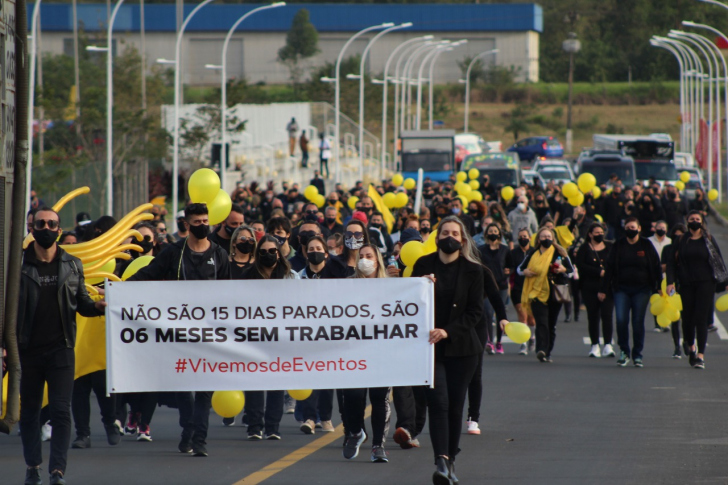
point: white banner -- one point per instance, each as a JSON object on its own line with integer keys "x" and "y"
{"x": 268, "y": 334}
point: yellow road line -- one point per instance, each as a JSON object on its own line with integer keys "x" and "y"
{"x": 296, "y": 456}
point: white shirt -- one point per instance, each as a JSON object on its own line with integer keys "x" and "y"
{"x": 659, "y": 245}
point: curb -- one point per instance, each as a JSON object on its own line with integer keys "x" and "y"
{"x": 722, "y": 221}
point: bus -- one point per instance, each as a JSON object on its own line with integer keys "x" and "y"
{"x": 502, "y": 168}
{"x": 653, "y": 155}
{"x": 432, "y": 151}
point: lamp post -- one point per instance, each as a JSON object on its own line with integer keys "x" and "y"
{"x": 467, "y": 84}
{"x": 337, "y": 91}
{"x": 430, "y": 55}
{"x": 34, "y": 27}
{"x": 684, "y": 143}
{"x": 571, "y": 46}
{"x": 407, "y": 81}
{"x": 432, "y": 73}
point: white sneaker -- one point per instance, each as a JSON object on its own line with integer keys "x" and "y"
{"x": 473, "y": 427}
{"x": 608, "y": 351}
{"x": 46, "y": 431}
{"x": 523, "y": 350}
{"x": 595, "y": 351}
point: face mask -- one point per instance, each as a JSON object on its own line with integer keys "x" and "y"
{"x": 631, "y": 233}
{"x": 694, "y": 225}
{"x": 281, "y": 239}
{"x": 521, "y": 206}
{"x": 646, "y": 202}
{"x": 449, "y": 245}
{"x": 333, "y": 252}
{"x": 45, "y": 237}
{"x": 201, "y": 231}
{"x": 366, "y": 266}
{"x": 332, "y": 201}
{"x": 354, "y": 243}
{"x": 598, "y": 238}
{"x": 181, "y": 226}
{"x": 493, "y": 237}
{"x": 496, "y": 215}
{"x": 456, "y": 210}
{"x": 376, "y": 224}
{"x": 316, "y": 257}
{"x": 311, "y": 217}
{"x": 523, "y": 242}
{"x": 425, "y": 230}
{"x": 268, "y": 260}
{"x": 244, "y": 247}
{"x": 672, "y": 196}
{"x": 305, "y": 237}
{"x": 145, "y": 245}
{"x": 660, "y": 232}
{"x": 330, "y": 220}
{"x": 546, "y": 243}
{"x": 229, "y": 230}
{"x": 258, "y": 235}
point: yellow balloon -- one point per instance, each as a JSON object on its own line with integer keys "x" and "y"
{"x": 507, "y": 193}
{"x": 679, "y": 185}
{"x": 400, "y": 200}
{"x": 352, "y": 202}
{"x": 474, "y": 184}
{"x": 203, "y": 186}
{"x": 389, "y": 199}
{"x": 319, "y": 200}
{"x": 685, "y": 177}
{"x": 596, "y": 192}
{"x": 462, "y": 188}
{"x": 676, "y": 301}
{"x": 411, "y": 252}
{"x": 663, "y": 320}
{"x": 461, "y": 177}
{"x": 300, "y": 394}
{"x": 228, "y": 404}
{"x": 108, "y": 267}
{"x": 672, "y": 314}
{"x": 577, "y": 199}
{"x": 569, "y": 189}
{"x": 598, "y": 217}
{"x": 518, "y": 332}
{"x": 475, "y": 195}
{"x": 219, "y": 208}
{"x": 586, "y": 182}
{"x": 654, "y": 298}
{"x": 135, "y": 266}
{"x": 410, "y": 184}
{"x": 473, "y": 173}
{"x": 397, "y": 180}
{"x": 431, "y": 243}
{"x": 712, "y": 194}
{"x": 310, "y": 192}
{"x": 407, "y": 272}
{"x": 663, "y": 285}
{"x": 722, "y": 303}
{"x": 657, "y": 307}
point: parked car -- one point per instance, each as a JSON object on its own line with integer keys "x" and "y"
{"x": 557, "y": 170}
{"x": 684, "y": 159}
{"x": 538, "y": 146}
{"x": 492, "y": 146}
{"x": 467, "y": 144}
{"x": 532, "y": 177}
{"x": 696, "y": 181}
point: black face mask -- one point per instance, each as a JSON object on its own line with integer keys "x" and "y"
{"x": 598, "y": 238}
{"x": 244, "y": 247}
{"x": 305, "y": 236}
{"x": 449, "y": 245}
{"x": 493, "y": 237}
{"x": 375, "y": 224}
{"x": 268, "y": 260}
{"x": 181, "y": 227}
{"x": 281, "y": 239}
{"x": 523, "y": 242}
{"x": 201, "y": 231}
{"x": 145, "y": 245}
{"x": 694, "y": 225}
{"x": 45, "y": 237}
{"x": 229, "y": 230}
{"x": 332, "y": 201}
{"x": 660, "y": 232}
{"x": 330, "y": 220}
{"x": 311, "y": 217}
{"x": 425, "y": 230}
{"x": 316, "y": 257}
{"x": 672, "y": 195}
{"x": 631, "y": 233}
{"x": 546, "y": 243}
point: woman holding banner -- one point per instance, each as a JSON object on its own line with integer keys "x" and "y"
{"x": 265, "y": 408}
{"x": 369, "y": 265}
{"x": 457, "y": 274}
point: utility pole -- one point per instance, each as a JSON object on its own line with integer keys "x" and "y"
{"x": 571, "y": 46}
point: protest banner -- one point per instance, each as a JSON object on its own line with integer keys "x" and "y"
{"x": 268, "y": 334}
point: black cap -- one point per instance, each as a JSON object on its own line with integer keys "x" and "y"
{"x": 408, "y": 235}
{"x": 83, "y": 216}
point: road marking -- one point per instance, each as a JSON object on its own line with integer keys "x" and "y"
{"x": 722, "y": 333}
{"x": 296, "y": 456}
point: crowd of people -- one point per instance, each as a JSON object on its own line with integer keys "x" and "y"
{"x": 534, "y": 251}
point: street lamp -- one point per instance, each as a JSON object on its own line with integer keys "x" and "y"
{"x": 434, "y": 52}
{"x": 432, "y": 73}
{"x": 467, "y": 84}
{"x": 571, "y": 46}
{"x": 407, "y": 80}
{"x": 31, "y": 101}
{"x": 684, "y": 142}
{"x": 337, "y": 90}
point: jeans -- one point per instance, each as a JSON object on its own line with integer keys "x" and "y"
{"x": 697, "y": 300}
{"x": 489, "y": 313}
{"x": 81, "y": 407}
{"x": 57, "y": 369}
{"x": 264, "y": 410}
{"x": 319, "y": 405}
{"x": 410, "y": 403}
{"x": 325, "y": 168}
{"x": 631, "y": 299}
{"x": 194, "y": 414}
{"x": 355, "y": 401}
{"x": 546, "y": 316}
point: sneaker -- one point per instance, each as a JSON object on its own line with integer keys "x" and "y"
{"x": 327, "y": 427}
{"x": 541, "y": 356}
{"x": 308, "y": 427}
{"x": 531, "y": 344}
{"x": 638, "y": 362}
{"x": 567, "y": 319}
{"x": 499, "y": 349}
{"x": 473, "y": 427}
{"x": 81, "y": 442}
{"x": 403, "y": 438}
{"x": 699, "y": 363}
{"x": 523, "y": 350}
{"x": 576, "y": 318}
{"x": 623, "y": 360}
{"x": 490, "y": 348}
{"x": 414, "y": 443}
{"x": 199, "y": 449}
{"x": 289, "y": 405}
{"x": 607, "y": 351}
{"x": 32, "y": 476}
{"x": 57, "y": 478}
{"x": 185, "y": 444}
{"x": 352, "y": 442}
{"x": 255, "y": 435}
{"x": 113, "y": 437}
{"x": 228, "y": 421}
{"x": 379, "y": 455}
{"x": 46, "y": 431}
{"x": 131, "y": 425}
{"x": 657, "y": 330}
{"x": 319, "y": 425}
{"x": 144, "y": 434}
{"x": 273, "y": 436}
{"x": 594, "y": 352}
{"x": 712, "y": 328}
{"x": 549, "y": 360}
{"x": 677, "y": 354}
{"x": 693, "y": 358}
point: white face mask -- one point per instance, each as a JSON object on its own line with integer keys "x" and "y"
{"x": 366, "y": 266}
{"x": 521, "y": 206}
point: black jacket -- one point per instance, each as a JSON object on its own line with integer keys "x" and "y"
{"x": 497, "y": 263}
{"x": 467, "y": 311}
{"x": 590, "y": 265}
{"x": 168, "y": 267}
{"x": 677, "y": 269}
{"x": 611, "y": 273}
{"x": 72, "y": 297}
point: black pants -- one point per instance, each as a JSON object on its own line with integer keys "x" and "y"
{"x": 697, "y": 299}
{"x": 81, "y": 407}
{"x": 319, "y": 404}
{"x": 475, "y": 388}
{"x": 575, "y": 303}
{"x": 194, "y": 414}
{"x": 546, "y": 316}
{"x": 57, "y": 369}
{"x": 325, "y": 168}
{"x": 599, "y": 310}
{"x": 264, "y": 410}
{"x": 355, "y": 401}
{"x": 446, "y": 402}
{"x": 410, "y": 403}
{"x": 143, "y": 404}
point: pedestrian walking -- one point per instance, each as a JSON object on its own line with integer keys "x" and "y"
{"x": 324, "y": 154}
{"x": 292, "y": 129}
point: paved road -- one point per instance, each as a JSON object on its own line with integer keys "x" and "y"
{"x": 576, "y": 421}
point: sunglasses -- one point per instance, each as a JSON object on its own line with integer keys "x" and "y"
{"x": 247, "y": 239}
{"x": 269, "y": 251}
{"x": 40, "y": 224}
{"x": 312, "y": 212}
{"x": 357, "y": 234}
{"x": 162, "y": 229}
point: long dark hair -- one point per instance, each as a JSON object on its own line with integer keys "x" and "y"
{"x": 282, "y": 268}
{"x": 364, "y": 229}
{"x": 704, "y": 223}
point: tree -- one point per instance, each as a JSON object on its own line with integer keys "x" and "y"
{"x": 202, "y": 127}
{"x": 476, "y": 72}
{"x": 301, "y": 43}
{"x": 519, "y": 118}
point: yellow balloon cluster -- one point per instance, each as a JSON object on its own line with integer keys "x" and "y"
{"x": 204, "y": 188}
{"x": 473, "y": 173}
{"x": 666, "y": 308}
{"x": 311, "y": 193}
{"x": 414, "y": 250}
{"x": 680, "y": 185}
{"x": 574, "y": 192}
{"x": 395, "y": 201}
